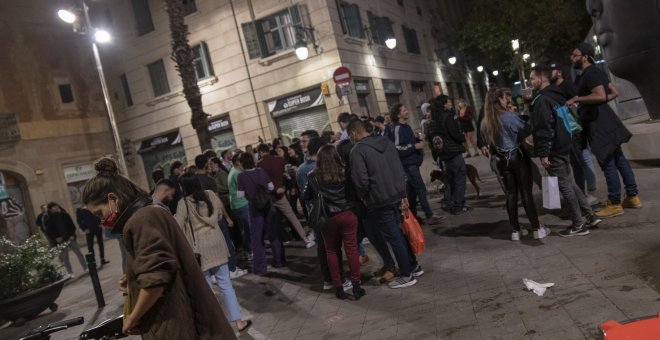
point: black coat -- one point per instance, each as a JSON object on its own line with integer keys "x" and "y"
{"x": 445, "y": 124}
{"x": 334, "y": 194}
{"x": 60, "y": 225}
{"x": 88, "y": 221}
{"x": 550, "y": 135}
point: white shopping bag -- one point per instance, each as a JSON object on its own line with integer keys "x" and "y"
{"x": 551, "y": 199}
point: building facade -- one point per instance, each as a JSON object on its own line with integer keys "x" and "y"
{"x": 252, "y": 82}
{"x": 53, "y": 122}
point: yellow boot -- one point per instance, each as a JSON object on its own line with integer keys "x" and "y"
{"x": 610, "y": 210}
{"x": 632, "y": 202}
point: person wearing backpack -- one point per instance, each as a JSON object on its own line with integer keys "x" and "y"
{"x": 254, "y": 184}
{"x": 552, "y": 143}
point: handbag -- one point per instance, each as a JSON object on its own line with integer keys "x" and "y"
{"x": 198, "y": 256}
{"x": 317, "y": 215}
{"x": 551, "y": 199}
{"x": 413, "y": 233}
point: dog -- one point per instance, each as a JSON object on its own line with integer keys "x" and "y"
{"x": 470, "y": 171}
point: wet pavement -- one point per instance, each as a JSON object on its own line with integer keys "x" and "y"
{"x": 472, "y": 288}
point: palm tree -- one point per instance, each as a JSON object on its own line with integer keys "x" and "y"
{"x": 183, "y": 57}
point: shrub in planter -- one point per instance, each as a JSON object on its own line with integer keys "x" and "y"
{"x": 26, "y": 266}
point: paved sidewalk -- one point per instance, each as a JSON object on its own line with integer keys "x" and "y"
{"x": 472, "y": 288}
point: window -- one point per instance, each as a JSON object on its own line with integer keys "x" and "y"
{"x": 351, "y": 22}
{"x": 143, "y": 22}
{"x": 66, "y": 93}
{"x": 202, "y": 61}
{"x": 189, "y": 7}
{"x": 267, "y": 36}
{"x": 158, "y": 78}
{"x": 381, "y": 28}
{"x": 412, "y": 44}
{"x": 126, "y": 89}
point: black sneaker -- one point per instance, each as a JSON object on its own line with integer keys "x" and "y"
{"x": 460, "y": 210}
{"x": 579, "y": 230}
{"x": 418, "y": 271}
{"x": 593, "y": 221}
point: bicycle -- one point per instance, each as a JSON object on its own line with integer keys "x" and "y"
{"x": 107, "y": 330}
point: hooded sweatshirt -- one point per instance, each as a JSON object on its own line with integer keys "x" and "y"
{"x": 550, "y": 135}
{"x": 377, "y": 172}
{"x": 404, "y": 140}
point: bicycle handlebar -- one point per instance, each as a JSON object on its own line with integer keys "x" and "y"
{"x": 42, "y": 331}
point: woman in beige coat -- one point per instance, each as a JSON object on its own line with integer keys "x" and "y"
{"x": 198, "y": 214}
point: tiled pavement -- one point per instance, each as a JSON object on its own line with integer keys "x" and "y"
{"x": 472, "y": 288}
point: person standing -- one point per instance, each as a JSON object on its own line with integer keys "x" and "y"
{"x": 60, "y": 227}
{"x": 239, "y": 205}
{"x": 505, "y": 132}
{"x": 605, "y": 132}
{"x": 466, "y": 117}
{"x": 198, "y": 215}
{"x": 378, "y": 176}
{"x": 41, "y": 223}
{"x": 166, "y": 293}
{"x": 552, "y": 143}
{"x": 91, "y": 225}
{"x": 411, "y": 154}
{"x": 328, "y": 183}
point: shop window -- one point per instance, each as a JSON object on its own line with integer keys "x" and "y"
{"x": 66, "y": 93}
{"x": 412, "y": 44}
{"x": 351, "y": 22}
{"x": 277, "y": 32}
{"x": 158, "y": 77}
{"x": 189, "y": 7}
{"x": 381, "y": 28}
{"x": 202, "y": 61}
{"x": 126, "y": 90}
{"x": 143, "y": 21}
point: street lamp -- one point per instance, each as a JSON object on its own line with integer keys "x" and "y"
{"x": 525, "y": 56}
{"x": 390, "y": 43}
{"x": 480, "y": 68}
{"x": 100, "y": 36}
{"x": 302, "y": 52}
{"x": 452, "y": 60}
{"x": 533, "y": 64}
{"x": 495, "y": 73}
{"x": 515, "y": 45}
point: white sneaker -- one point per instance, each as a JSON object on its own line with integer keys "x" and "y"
{"x": 541, "y": 233}
{"x": 327, "y": 285}
{"x": 365, "y": 241}
{"x": 237, "y": 273}
{"x": 310, "y": 244}
{"x": 311, "y": 236}
{"x": 515, "y": 236}
{"x": 347, "y": 284}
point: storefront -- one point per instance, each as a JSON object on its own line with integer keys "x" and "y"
{"x": 160, "y": 152}
{"x": 299, "y": 112}
{"x": 393, "y": 91}
{"x": 13, "y": 213}
{"x": 222, "y": 136}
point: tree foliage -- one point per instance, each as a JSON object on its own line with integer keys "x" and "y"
{"x": 547, "y": 30}
{"x": 182, "y": 55}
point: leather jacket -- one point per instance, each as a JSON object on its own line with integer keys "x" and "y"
{"x": 334, "y": 195}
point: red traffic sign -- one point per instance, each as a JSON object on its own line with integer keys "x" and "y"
{"x": 342, "y": 75}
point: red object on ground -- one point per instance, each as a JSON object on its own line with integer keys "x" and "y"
{"x": 647, "y": 328}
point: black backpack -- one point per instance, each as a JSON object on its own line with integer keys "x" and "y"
{"x": 261, "y": 199}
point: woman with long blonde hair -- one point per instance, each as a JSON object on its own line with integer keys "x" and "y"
{"x": 505, "y": 132}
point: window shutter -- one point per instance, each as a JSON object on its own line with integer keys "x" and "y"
{"x": 143, "y": 22}
{"x": 342, "y": 16}
{"x": 373, "y": 28}
{"x": 207, "y": 59}
{"x": 384, "y": 29}
{"x": 353, "y": 20}
{"x": 251, "y": 39}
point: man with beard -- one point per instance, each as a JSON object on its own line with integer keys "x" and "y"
{"x": 604, "y": 131}
{"x": 164, "y": 193}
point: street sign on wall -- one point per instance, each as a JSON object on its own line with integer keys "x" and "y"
{"x": 342, "y": 75}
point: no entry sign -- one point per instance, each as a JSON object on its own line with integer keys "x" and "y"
{"x": 342, "y": 75}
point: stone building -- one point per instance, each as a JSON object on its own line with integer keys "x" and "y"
{"x": 253, "y": 83}
{"x": 53, "y": 121}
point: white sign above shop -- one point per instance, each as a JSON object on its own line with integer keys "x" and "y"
{"x": 78, "y": 173}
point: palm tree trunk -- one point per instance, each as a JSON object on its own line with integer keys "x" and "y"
{"x": 183, "y": 57}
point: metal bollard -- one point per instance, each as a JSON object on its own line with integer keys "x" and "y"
{"x": 94, "y": 275}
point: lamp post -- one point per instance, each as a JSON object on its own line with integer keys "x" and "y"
{"x": 515, "y": 45}
{"x": 100, "y": 36}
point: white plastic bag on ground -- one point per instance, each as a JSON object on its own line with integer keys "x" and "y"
{"x": 551, "y": 199}
{"x": 538, "y": 288}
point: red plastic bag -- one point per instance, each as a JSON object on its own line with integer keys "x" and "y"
{"x": 413, "y": 233}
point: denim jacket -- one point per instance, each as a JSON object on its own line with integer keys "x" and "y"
{"x": 514, "y": 130}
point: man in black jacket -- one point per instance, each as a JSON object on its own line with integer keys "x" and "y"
{"x": 60, "y": 227}
{"x": 380, "y": 183}
{"x": 91, "y": 225}
{"x": 445, "y": 124}
{"x": 552, "y": 143}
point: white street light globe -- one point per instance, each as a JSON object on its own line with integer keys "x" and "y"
{"x": 533, "y": 64}
{"x": 452, "y": 60}
{"x": 496, "y": 72}
{"x": 515, "y": 44}
{"x": 302, "y": 52}
{"x": 390, "y": 43}
{"x": 525, "y": 56}
{"x": 66, "y": 16}
{"x": 102, "y": 36}
{"x": 480, "y": 68}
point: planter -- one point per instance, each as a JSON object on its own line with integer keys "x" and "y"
{"x": 32, "y": 303}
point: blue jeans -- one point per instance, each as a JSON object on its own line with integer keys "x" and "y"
{"x": 612, "y": 167}
{"x": 223, "y": 281}
{"x": 455, "y": 186}
{"x": 415, "y": 189}
{"x": 383, "y": 227}
{"x": 588, "y": 169}
{"x": 243, "y": 221}
{"x": 265, "y": 227}
{"x": 224, "y": 228}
